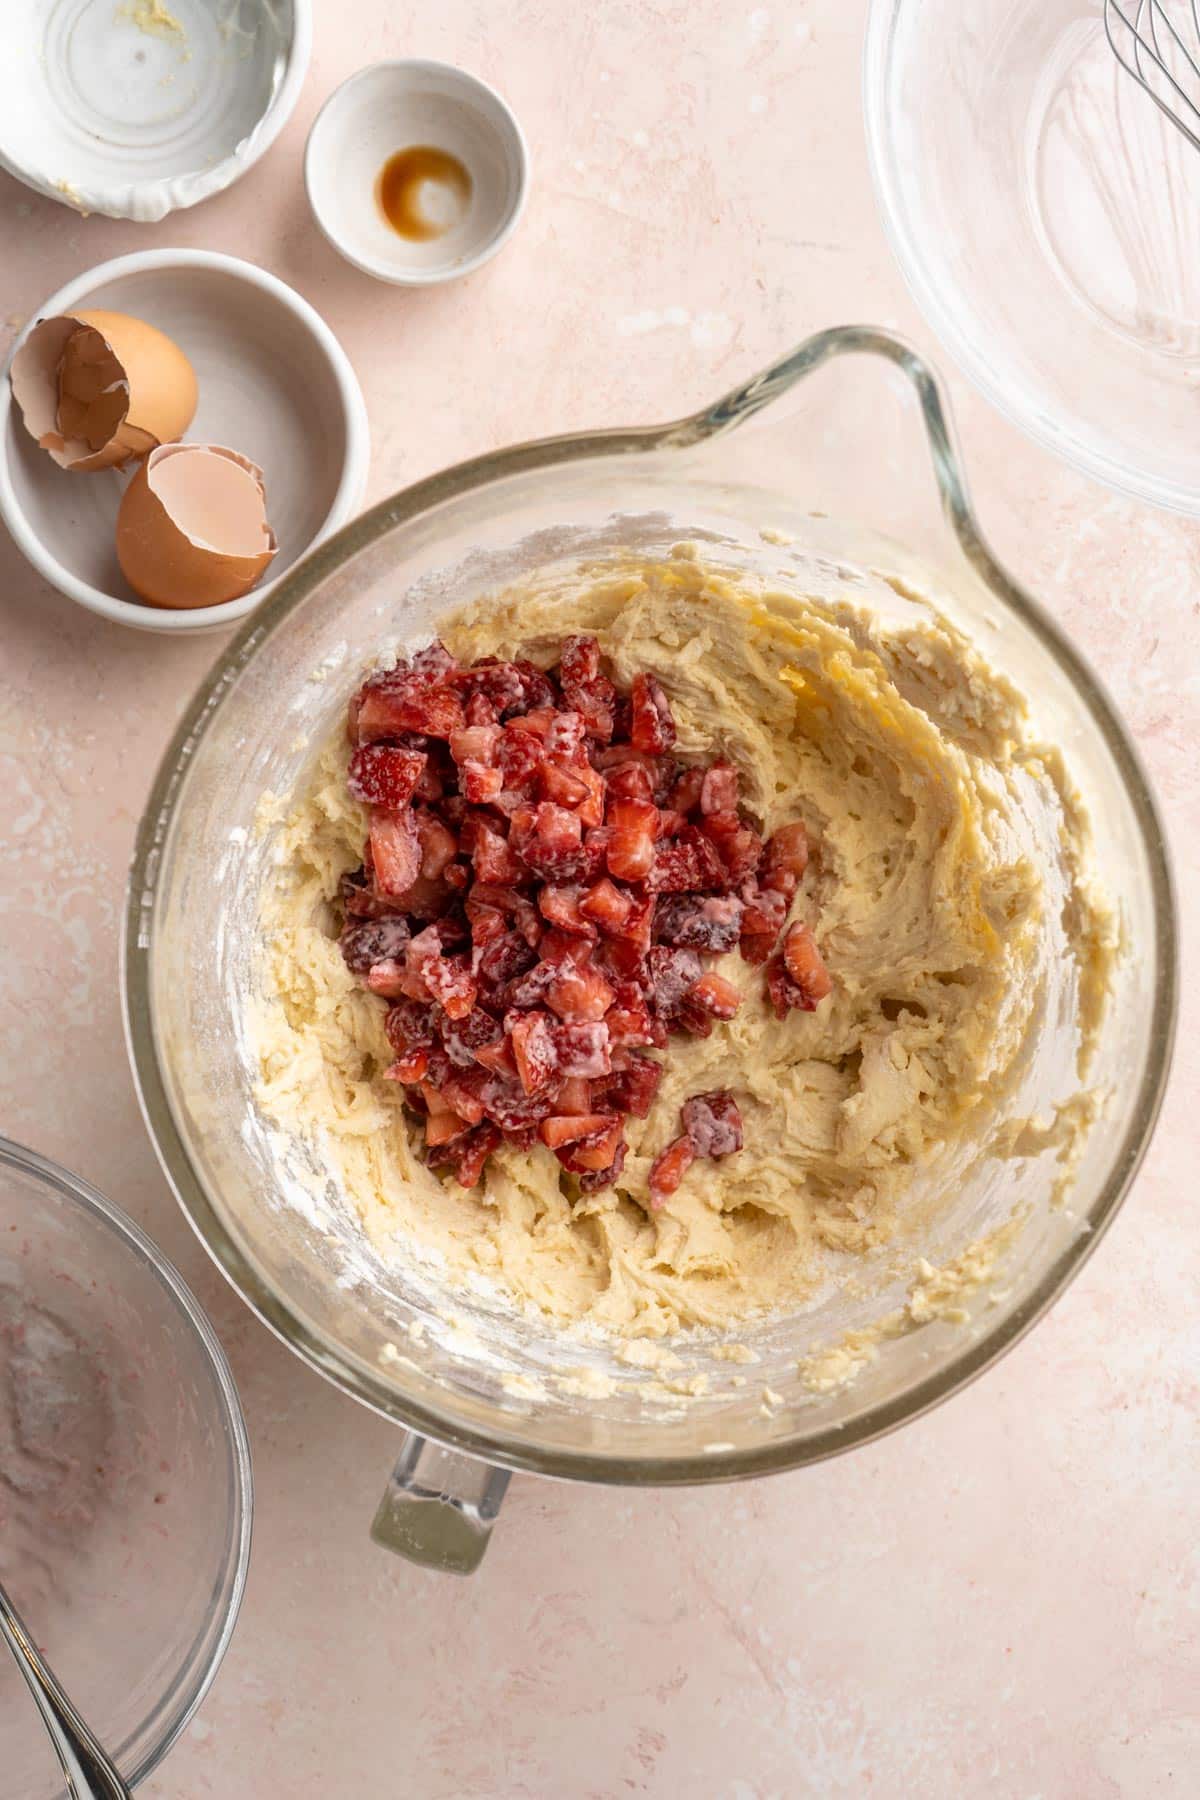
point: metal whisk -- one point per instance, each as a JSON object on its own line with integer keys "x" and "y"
{"x": 1158, "y": 43}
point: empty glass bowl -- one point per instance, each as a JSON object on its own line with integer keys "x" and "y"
{"x": 124, "y": 1476}
{"x": 1043, "y": 213}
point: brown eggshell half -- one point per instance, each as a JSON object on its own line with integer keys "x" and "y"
{"x": 192, "y": 526}
{"x": 159, "y": 383}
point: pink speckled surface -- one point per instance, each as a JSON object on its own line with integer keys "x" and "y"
{"x": 1004, "y": 1599}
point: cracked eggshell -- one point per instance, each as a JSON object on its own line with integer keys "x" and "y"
{"x": 98, "y": 389}
{"x": 192, "y": 527}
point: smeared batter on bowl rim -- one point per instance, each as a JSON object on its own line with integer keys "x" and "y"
{"x": 950, "y": 879}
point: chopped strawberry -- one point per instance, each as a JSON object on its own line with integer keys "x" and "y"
{"x": 685, "y": 795}
{"x": 574, "y": 1095}
{"x": 434, "y": 662}
{"x": 805, "y": 966}
{"x": 475, "y": 743}
{"x": 630, "y": 781}
{"x": 634, "y": 826}
{"x": 579, "y": 993}
{"x": 578, "y": 661}
{"x": 716, "y": 995}
{"x": 633, "y": 1088}
{"x": 607, "y": 905}
{"x": 494, "y": 860}
{"x": 540, "y": 691}
{"x": 736, "y": 844}
{"x": 672, "y": 974}
{"x": 533, "y": 1046}
{"x": 410, "y": 1068}
{"x": 719, "y": 789}
{"x": 497, "y": 1058}
{"x": 439, "y": 845}
{"x": 668, "y": 1170}
{"x": 462, "y": 1091}
{"x": 561, "y": 906}
{"x": 480, "y": 711}
{"x": 374, "y": 941}
{"x": 465, "y": 1037}
{"x": 653, "y": 726}
{"x": 450, "y": 981}
{"x": 552, "y": 847}
{"x": 713, "y": 1123}
{"x": 472, "y": 1153}
{"x": 443, "y": 1125}
{"x": 628, "y": 1018}
{"x": 395, "y": 852}
{"x": 582, "y": 1128}
{"x": 593, "y": 1153}
{"x": 519, "y": 755}
{"x": 390, "y": 705}
{"x": 384, "y": 775}
{"x": 785, "y": 859}
{"x": 583, "y": 1050}
{"x": 591, "y": 1180}
{"x": 595, "y": 851}
{"x": 481, "y": 785}
{"x": 387, "y": 978}
{"x": 564, "y": 737}
{"x": 711, "y": 922}
{"x": 410, "y": 1026}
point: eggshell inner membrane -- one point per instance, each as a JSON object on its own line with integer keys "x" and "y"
{"x": 93, "y": 394}
{"x": 215, "y": 501}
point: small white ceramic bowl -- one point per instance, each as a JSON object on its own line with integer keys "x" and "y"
{"x": 274, "y": 383}
{"x": 395, "y": 106}
{"x": 135, "y": 107}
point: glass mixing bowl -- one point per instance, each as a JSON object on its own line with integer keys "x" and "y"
{"x": 836, "y": 461}
{"x": 125, "y": 1492}
{"x": 1043, "y": 214}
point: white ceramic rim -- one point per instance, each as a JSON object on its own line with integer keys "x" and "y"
{"x": 205, "y": 183}
{"x": 345, "y": 501}
{"x": 433, "y": 276}
{"x": 1012, "y": 397}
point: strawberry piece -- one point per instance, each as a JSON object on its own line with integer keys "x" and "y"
{"x": 374, "y": 941}
{"x": 503, "y": 961}
{"x": 480, "y": 711}
{"x": 717, "y": 996}
{"x": 712, "y": 923}
{"x": 765, "y": 910}
{"x": 462, "y": 1091}
{"x": 574, "y": 1095}
{"x": 583, "y": 1050}
{"x": 442, "y": 1123}
{"x": 578, "y": 661}
{"x": 531, "y": 987}
{"x": 672, "y": 973}
{"x": 395, "y": 853}
{"x": 465, "y": 1037}
{"x": 481, "y": 785}
{"x": 519, "y": 755}
{"x": 500, "y": 683}
{"x": 467, "y": 1156}
{"x": 633, "y": 1088}
{"x": 738, "y": 847}
{"x": 564, "y": 737}
{"x": 450, "y": 981}
{"x": 634, "y": 826}
{"x": 593, "y": 1179}
{"x": 668, "y": 1170}
{"x": 493, "y": 858}
{"x": 653, "y": 726}
{"x": 713, "y": 1123}
{"x": 756, "y": 947}
{"x": 387, "y": 978}
{"x": 628, "y": 1018}
{"x": 410, "y": 1026}
{"x": 719, "y": 789}
{"x": 498, "y": 1058}
{"x": 384, "y": 775}
{"x": 595, "y": 851}
{"x": 475, "y": 743}
{"x": 685, "y": 795}
{"x": 593, "y": 1154}
{"x": 516, "y": 1113}
{"x": 607, "y": 905}
{"x": 533, "y": 1048}
{"x": 785, "y": 859}
{"x": 411, "y": 1068}
{"x": 392, "y": 704}
{"x": 585, "y": 1129}
{"x": 560, "y": 905}
{"x": 552, "y": 847}
{"x": 565, "y": 787}
{"x": 630, "y": 781}
{"x": 579, "y": 993}
{"x": 439, "y": 846}
{"x": 434, "y": 662}
{"x": 538, "y": 722}
{"x": 487, "y": 922}
{"x": 805, "y": 967}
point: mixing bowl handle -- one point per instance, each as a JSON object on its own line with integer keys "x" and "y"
{"x": 439, "y": 1507}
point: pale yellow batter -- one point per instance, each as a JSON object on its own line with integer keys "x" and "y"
{"x": 949, "y": 874}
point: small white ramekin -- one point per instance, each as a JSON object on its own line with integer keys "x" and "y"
{"x": 393, "y": 106}
{"x": 274, "y": 383}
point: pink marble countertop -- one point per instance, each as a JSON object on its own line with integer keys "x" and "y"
{"x": 1002, "y": 1599}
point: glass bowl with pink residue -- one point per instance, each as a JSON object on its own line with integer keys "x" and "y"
{"x": 125, "y": 1489}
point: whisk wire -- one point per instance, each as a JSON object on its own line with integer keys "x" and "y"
{"x": 1141, "y": 41}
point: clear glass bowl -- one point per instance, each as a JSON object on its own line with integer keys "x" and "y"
{"x": 1043, "y": 213}
{"x": 845, "y": 448}
{"x": 125, "y": 1492}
